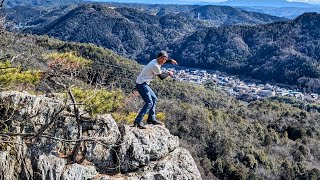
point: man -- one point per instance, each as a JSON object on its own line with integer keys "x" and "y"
{"x": 151, "y": 70}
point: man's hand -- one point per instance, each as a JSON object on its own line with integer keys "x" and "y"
{"x": 170, "y": 73}
{"x": 174, "y": 62}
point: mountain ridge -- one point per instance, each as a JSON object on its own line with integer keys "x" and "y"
{"x": 271, "y": 3}
{"x": 135, "y": 33}
{"x": 267, "y": 3}
{"x": 236, "y": 16}
{"x": 39, "y": 3}
{"x": 241, "y": 48}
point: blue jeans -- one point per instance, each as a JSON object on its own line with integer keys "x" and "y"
{"x": 150, "y": 100}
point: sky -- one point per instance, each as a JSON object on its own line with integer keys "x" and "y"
{"x": 306, "y": 1}
{"x": 159, "y": 1}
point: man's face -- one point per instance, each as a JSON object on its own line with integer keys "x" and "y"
{"x": 162, "y": 60}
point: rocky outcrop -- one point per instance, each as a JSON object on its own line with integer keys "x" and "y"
{"x": 77, "y": 171}
{"x": 178, "y": 164}
{"x": 6, "y": 165}
{"x": 41, "y": 132}
{"x": 50, "y": 166}
{"x": 103, "y": 153}
{"x": 139, "y": 147}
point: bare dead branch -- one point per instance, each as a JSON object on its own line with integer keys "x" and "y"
{"x": 10, "y": 142}
{"x": 56, "y": 82}
{"x": 32, "y": 135}
{"x": 77, "y": 114}
{"x": 16, "y": 57}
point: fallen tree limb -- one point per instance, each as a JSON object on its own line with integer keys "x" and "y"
{"x": 32, "y": 135}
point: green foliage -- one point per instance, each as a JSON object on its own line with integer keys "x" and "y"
{"x": 14, "y": 75}
{"x": 126, "y": 118}
{"x": 66, "y": 61}
{"x": 250, "y": 161}
{"x": 98, "y": 101}
{"x": 313, "y": 174}
{"x": 235, "y": 171}
{"x": 288, "y": 48}
{"x": 262, "y": 158}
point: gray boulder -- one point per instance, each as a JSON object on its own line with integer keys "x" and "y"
{"x": 103, "y": 153}
{"x": 51, "y": 167}
{"x": 140, "y": 146}
{"x": 32, "y": 110}
{"x": 77, "y": 171}
{"x": 178, "y": 164}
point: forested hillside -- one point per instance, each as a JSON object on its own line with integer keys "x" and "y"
{"x": 228, "y": 139}
{"x": 124, "y": 30}
{"x": 130, "y": 31}
{"x": 264, "y": 52}
{"x": 227, "y": 15}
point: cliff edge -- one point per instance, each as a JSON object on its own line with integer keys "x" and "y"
{"x": 38, "y": 133}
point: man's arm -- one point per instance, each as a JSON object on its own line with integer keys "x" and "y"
{"x": 172, "y": 61}
{"x": 162, "y": 76}
{"x": 165, "y": 75}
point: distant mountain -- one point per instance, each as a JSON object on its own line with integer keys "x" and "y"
{"x": 21, "y": 17}
{"x": 226, "y": 15}
{"x": 43, "y": 3}
{"x": 127, "y": 31}
{"x": 278, "y": 8}
{"x": 135, "y": 33}
{"x": 140, "y": 1}
{"x": 290, "y": 49}
{"x": 287, "y": 12}
{"x": 266, "y": 3}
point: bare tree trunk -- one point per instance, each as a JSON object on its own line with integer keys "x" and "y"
{"x": 1, "y": 3}
{"x": 2, "y": 18}
{"x": 1, "y": 23}
{"x": 79, "y": 135}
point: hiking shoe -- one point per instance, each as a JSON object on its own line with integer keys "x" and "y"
{"x": 155, "y": 122}
{"x": 139, "y": 125}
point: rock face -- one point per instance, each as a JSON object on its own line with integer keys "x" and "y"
{"x": 50, "y": 166}
{"x": 6, "y": 165}
{"x": 77, "y": 171}
{"x": 176, "y": 165}
{"x": 139, "y": 147}
{"x": 103, "y": 153}
{"x": 43, "y": 133}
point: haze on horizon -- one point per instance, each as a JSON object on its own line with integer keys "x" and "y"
{"x": 197, "y": 1}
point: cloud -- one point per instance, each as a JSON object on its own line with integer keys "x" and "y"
{"x": 307, "y": 1}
